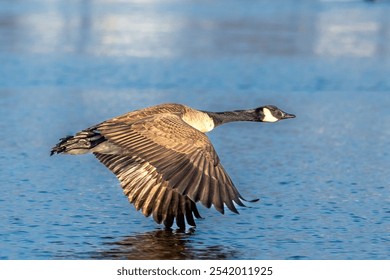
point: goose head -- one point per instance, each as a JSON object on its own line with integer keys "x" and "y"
{"x": 271, "y": 113}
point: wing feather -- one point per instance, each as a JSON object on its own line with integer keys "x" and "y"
{"x": 165, "y": 166}
{"x": 149, "y": 192}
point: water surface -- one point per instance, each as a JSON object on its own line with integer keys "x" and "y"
{"x": 322, "y": 178}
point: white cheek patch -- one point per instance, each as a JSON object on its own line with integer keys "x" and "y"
{"x": 268, "y": 117}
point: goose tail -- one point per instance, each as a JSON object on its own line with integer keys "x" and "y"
{"x": 80, "y": 143}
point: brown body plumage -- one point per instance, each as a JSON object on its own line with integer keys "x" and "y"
{"x": 164, "y": 161}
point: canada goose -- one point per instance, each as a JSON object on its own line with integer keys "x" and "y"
{"x": 164, "y": 161}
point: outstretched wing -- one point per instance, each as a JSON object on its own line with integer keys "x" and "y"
{"x": 165, "y": 166}
{"x": 146, "y": 189}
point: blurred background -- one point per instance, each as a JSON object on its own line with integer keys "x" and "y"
{"x": 322, "y": 178}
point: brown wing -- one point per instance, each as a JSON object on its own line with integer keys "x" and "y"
{"x": 146, "y": 189}
{"x": 175, "y": 158}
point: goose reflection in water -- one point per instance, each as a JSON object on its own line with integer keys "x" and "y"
{"x": 163, "y": 245}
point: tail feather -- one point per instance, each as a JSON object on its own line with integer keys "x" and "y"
{"x": 80, "y": 143}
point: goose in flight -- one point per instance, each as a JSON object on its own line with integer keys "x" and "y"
{"x": 163, "y": 159}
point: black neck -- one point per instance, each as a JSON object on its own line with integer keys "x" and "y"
{"x": 234, "y": 116}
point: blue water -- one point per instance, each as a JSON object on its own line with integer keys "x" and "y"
{"x": 323, "y": 178}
